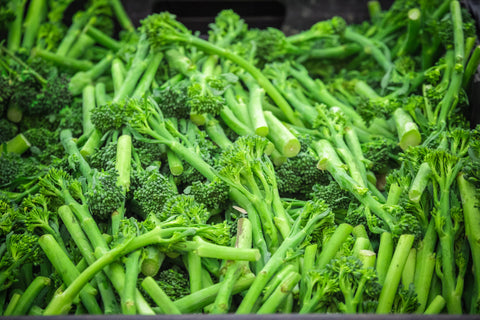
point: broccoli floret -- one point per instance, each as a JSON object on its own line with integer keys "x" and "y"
{"x": 22, "y": 248}
{"x": 335, "y": 197}
{"x": 186, "y": 206}
{"x": 298, "y": 175}
{"x": 172, "y": 100}
{"x": 355, "y": 283}
{"x": 228, "y": 27}
{"x": 153, "y": 191}
{"x": 382, "y": 154}
{"x": 8, "y": 130}
{"x": 13, "y": 167}
{"x": 212, "y": 194}
{"x": 110, "y": 116}
{"x": 104, "y": 157}
{"x": 104, "y": 196}
{"x": 174, "y": 282}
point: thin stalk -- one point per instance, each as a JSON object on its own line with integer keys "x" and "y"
{"x": 103, "y": 39}
{"x": 62, "y": 61}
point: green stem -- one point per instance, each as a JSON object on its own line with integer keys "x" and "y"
{"x": 283, "y": 139}
{"x": 122, "y": 16}
{"x": 276, "y": 260}
{"x": 88, "y": 104}
{"x": 334, "y": 244}
{"x": 146, "y": 80}
{"x": 280, "y": 294}
{"x": 118, "y": 74}
{"x": 471, "y": 213}
{"x": 425, "y": 266}
{"x": 18, "y": 144}
{"x": 28, "y": 297}
{"x": 15, "y": 28}
{"x": 159, "y": 296}
{"x": 408, "y": 132}
{"x": 138, "y": 66}
{"x": 36, "y": 13}
{"x": 83, "y": 78}
{"x": 420, "y": 182}
{"x": 103, "y": 39}
{"x": 132, "y": 269}
{"x": 384, "y": 256}
{"x": 62, "y": 61}
{"x": 394, "y": 273}
{"x": 109, "y": 298}
{"x": 78, "y": 48}
{"x": 450, "y": 100}
{"x": 255, "y": 110}
{"x": 436, "y": 306}
{"x": 68, "y": 271}
{"x": 471, "y": 67}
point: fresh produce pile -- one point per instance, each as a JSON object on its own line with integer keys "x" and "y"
{"x": 153, "y": 170}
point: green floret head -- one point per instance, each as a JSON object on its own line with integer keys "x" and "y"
{"x": 111, "y": 116}
{"x": 104, "y": 157}
{"x": 174, "y": 282}
{"x": 161, "y": 27}
{"x": 13, "y": 166}
{"x": 335, "y": 197}
{"x": 322, "y": 286}
{"x": 381, "y": 154}
{"x": 182, "y": 204}
{"x": 8, "y": 130}
{"x": 150, "y": 154}
{"x": 7, "y": 218}
{"x": 335, "y": 25}
{"x": 227, "y": 27}
{"x": 172, "y": 100}
{"x": 201, "y": 100}
{"x": 153, "y": 191}
{"x": 212, "y": 194}
{"x": 270, "y": 44}
{"x": 381, "y": 107}
{"x": 22, "y": 248}
{"x": 53, "y": 97}
{"x": 297, "y": 176}
{"x": 354, "y": 279}
{"x": 406, "y": 223}
{"x": 406, "y": 300}
{"x": 104, "y": 196}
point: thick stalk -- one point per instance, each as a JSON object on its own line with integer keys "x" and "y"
{"x": 68, "y": 271}
{"x": 471, "y": 213}
{"x": 394, "y": 273}
{"x": 132, "y": 269}
{"x": 36, "y": 13}
{"x": 28, "y": 297}
{"x": 109, "y": 299}
{"x": 159, "y": 296}
{"x": 425, "y": 266}
{"x": 283, "y": 139}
